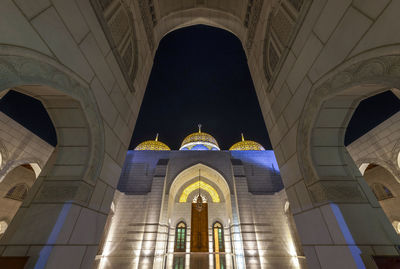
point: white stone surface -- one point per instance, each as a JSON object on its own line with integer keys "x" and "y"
{"x": 349, "y": 33}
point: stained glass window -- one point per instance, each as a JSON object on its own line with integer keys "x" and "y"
{"x": 180, "y": 237}
{"x": 219, "y": 245}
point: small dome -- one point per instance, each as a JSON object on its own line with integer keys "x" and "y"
{"x": 246, "y": 145}
{"x": 199, "y": 141}
{"x": 152, "y": 145}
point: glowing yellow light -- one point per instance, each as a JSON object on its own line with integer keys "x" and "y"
{"x": 152, "y": 145}
{"x": 246, "y": 145}
{"x": 192, "y": 187}
{"x": 199, "y": 138}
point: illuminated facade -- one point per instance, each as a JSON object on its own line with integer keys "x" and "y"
{"x": 243, "y": 220}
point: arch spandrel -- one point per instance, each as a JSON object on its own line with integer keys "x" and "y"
{"x": 195, "y": 16}
{"x": 220, "y": 163}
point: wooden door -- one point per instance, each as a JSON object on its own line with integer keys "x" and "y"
{"x": 199, "y": 229}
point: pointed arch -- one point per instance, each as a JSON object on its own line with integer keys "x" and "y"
{"x": 219, "y": 182}
{"x": 180, "y": 237}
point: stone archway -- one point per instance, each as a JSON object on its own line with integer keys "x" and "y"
{"x": 192, "y": 172}
{"x": 63, "y": 194}
{"x": 14, "y": 188}
{"x": 332, "y": 186}
{"x": 13, "y": 164}
{"x": 388, "y": 192}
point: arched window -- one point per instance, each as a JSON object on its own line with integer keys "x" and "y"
{"x": 180, "y": 237}
{"x": 180, "y": 246}
{"x": 381, "y": 192}
{"x": 18, "y": 192}
{"x": 219, "y": 245}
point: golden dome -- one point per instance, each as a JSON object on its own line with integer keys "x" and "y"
{"x": 199, "y": 141}
{"x": 246, "y": 145}
{"x": 152, "y": 145}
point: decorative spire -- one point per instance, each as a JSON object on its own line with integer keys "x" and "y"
{"x": 199, "y": 125}
{"x": 242, "y": 137}
{"x": 156, "y": 137}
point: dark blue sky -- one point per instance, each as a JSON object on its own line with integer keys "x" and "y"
{"x": 200, "y": 75}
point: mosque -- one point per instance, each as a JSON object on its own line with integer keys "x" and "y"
{"x": 87, "y": 202}
{"x": 200, "y": 207}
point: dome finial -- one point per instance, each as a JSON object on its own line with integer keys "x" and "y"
{"x": 242, "y": 137}
{"x": 199, "y": 125}
{"x": 156, "y": 137}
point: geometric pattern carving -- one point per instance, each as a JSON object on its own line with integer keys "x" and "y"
{"x": 195, "y": 187}
{"x": 251, "y": 20}
{"x": 63, "y": 191}
{"x": 117, "y": 22}
{"x": 281, "y": 23}
{"x": 337, "y": 191}
{"x": 149, "y": 20}
{"x": 152, "y": 145}
{"x": 246, "y": 145}
{"x": 384, "y": 70}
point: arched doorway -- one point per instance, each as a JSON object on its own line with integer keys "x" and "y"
{"x": 200, "y": 195}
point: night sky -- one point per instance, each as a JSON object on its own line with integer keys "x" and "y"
{"x": 370, "y": 113}
{"x": 30, "y": 113}
{"x": 200, "y": 75}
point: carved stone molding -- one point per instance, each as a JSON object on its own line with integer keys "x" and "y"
{"x": 337, "y": 191}
{"x": 384, "y": 71}
{"x": 284, "y": 22}
{"x": 251, "y": 20}
{"x": 53, "y": 191}
{"x": 22, "y": 67}
{"x": 116, "y": 19}
{"x": 149, "y": 20}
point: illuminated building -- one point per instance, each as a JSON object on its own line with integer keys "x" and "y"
{"x": 243, "y": 220}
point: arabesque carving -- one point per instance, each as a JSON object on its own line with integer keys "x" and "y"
{"x": 18, "y": 67}
{"x": 384, "y": 70}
